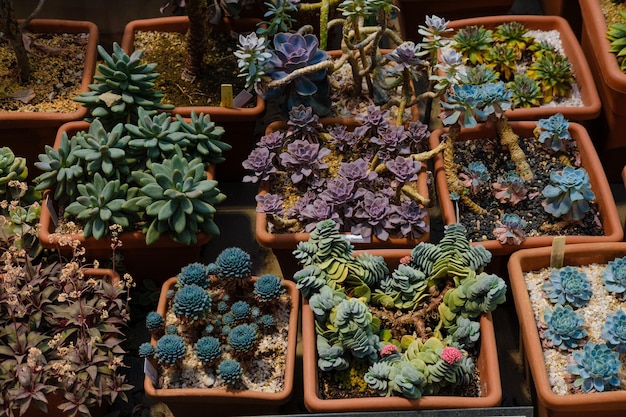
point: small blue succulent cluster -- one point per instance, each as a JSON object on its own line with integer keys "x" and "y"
{"x": 553, "y": 132}
{"x": 219, "y": 319}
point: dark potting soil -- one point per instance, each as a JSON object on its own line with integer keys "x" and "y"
{"x": 496, "y": 159}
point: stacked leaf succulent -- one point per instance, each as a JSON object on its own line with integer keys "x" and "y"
{"x": 217, "y": 316}
{"x": 356, "y": 301}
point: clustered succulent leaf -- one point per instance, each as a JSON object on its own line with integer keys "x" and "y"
{"x": 12, "y": 168}
{"x": 230, "y": 371}
{"x": 170, "y": 349}
{"x": 341, "y": 287}
{"x": 510, "y": 188}
{"x": 568, "y": 285}
{"x": 368, "y": 187}
{"x": 233, "y": 263}
{"x": 474, "y": 176}
{"x": 596, "y": 368}
{"x": 208, "y": 349}
{"x": 569, "y": 193}
{"x": 191, "y": 302}
{"x": 242, "y": 338}
{"x": 616, "y": 34}
{"x": 154, "y": 322}
{"x": 564, "y": 327}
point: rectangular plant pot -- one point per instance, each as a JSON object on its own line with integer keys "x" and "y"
{"x": 549, "y": 404}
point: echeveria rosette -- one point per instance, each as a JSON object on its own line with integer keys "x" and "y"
{"x": 372, "y": 216}
{"x": 304, "y": 124}
{"x": 569, "y": 194}
{"x": 568, "y": 285}
{"x": 357, "y": 170}
{"x": 203, "y": 138}
{"x": 170, "y": 349}
{"x": 194, "y": 273}
{"x": 474, "y": 176}
{"x": 614, "y": 276}
{"x": 304, "y": 159}
{"x": 614, "y": 331}
{"x": 233, "y": 263}
{"x": 191, "y": 303}
{"x": 62, "y": 170}
{"x": 372, "y": 120}
{"x": 410, "y": 219}
{"x": 317, "y": 211}
{"x": 393, "y": 140}
{"x": 292, "y": 52}
{"x": 270, "y": 204}
{"x": 461, "y": 105}
{"x": 595, "y": 367}
{"x": 564, "y": 327}
{"x": 510, "y": 229}
{"x": 553, "y": 132}
{"x": 404, "y": 169}
{"x": 407, "y": 57}
{"x": 260, "y": 162}
{"x": 103, "y": 151}
{"x": 510, "y": 188}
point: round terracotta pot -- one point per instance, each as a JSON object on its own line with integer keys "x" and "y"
{"x": 573, "y": 51}
{"x": 613, "y": 231}
{"x": 549, "y": 404}
{"x": 239, "y": 123}
{"x": 221, "y": 401}
{"x": 158, "y": 261}
{"x": 487, "y": 365}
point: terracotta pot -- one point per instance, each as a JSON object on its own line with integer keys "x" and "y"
{"x": 584, "y": 78}
{"x": 140, "y": 260}
{"x": 549, "y": 404}
{"x": 282, "y": 244}
{"x": 27, "y": 133}
{"x": 611, "y": 85}
{"x": 412, "y": 12}
{"x": 239, "y": 123}
{"x": 487, "y": 365}
{"x": 185, "y": 401}
{"x": 613, "y": 231}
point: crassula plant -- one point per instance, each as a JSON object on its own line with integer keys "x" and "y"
{"x": 221, "y": 327}
{"x": 363, "y": 176}
{"x": 412, "y": 327}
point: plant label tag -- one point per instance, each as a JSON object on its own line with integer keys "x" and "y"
{"x": 558, "y": 252}
{"x": 242, "y": 98}
{"x": 227, "y": 96}
{"x": 53, "y": 213}
{"x": 151, "y": 372}
{"x": 357, "y": 238}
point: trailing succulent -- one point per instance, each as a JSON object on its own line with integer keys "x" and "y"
{"x": 367, "y": 185}
{"x": 214, "y": 322}
{"x": 440, "y": 292}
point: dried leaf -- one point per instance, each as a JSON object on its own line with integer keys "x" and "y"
{"x": 25, "y": 95}
{"x": 110, "y": 98}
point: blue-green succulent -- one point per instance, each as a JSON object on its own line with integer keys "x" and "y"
{"x": 208, "y": 349}
{"x": 266, "y": 321}
{"x": 243, "y": 338}
{"x": 154, "y": 322}
{"x": 354, "y": 323}
{"x": 222, "y": 307}
{"x": 203, "y": 138}
{"x": 569, "y": 194}
{"x": 310, "y": 280}
{"x": 233, "y": 263}
{"x": 268, "y": 287}
{"x": 596, "y": 367}
{"x": 194, "y": 273}
{"x": 568, "y": 285}
{"x": 324, "y": 301}
{"x": 191, "y": 302}
{"x": 146, "y": 350}
{"x": 240, "y": 310}
{"x": 170, "y": 349}
{"x": 230, "y": 372}
{"x": 330, "y": 357}
{"x": 614, "y": 331}
{"x": 614, "y": 277}
{"x": 553, "y": 132}
{"x": 404, "y": 289}
{"x": 565, "y": 327}
{"x": 465, "y": 332}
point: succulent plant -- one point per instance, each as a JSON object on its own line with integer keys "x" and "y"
{"x": 514, "y": 36}
{"x": 146, "y": 350}
{"x": 191, "y": 303}
{"x": 230, "y": 371}
{"x": 103, "y": 151}
{"x": 240, "y": 310}
{"x": 404, "y": 289}
{"x": 304, "y": 159}
{"x": 252, "y": 57}
{"x": 310, "y": 280}
{"x": 261, "y": 163}
{"x": 99, "y": 205}
{"x": 553, "y": 132}
{"x": 154, "y": 322}
{"x": 242, "y": 338}
{"x": 208, "y": 349}
{"x": 525, "y": 91}
{"x": 124, "y": 85}
{"x": 510, "y": 188}
{"x": 353, "y": 322}
{"x": 478, "y": 75}
{"x": 568, "y": 285}
{"x": 266, "y": 321}
{"x": 554, "y": 73}
{"x": 614, "y": 331}
{"x": 503, "y": 60}
{"x": 614, "y": 277}
{"x": 616, "y": 34}
{"x": 564, "y": 327}
{"x": 473, "y": 42}
{"x": 203, "y": 137}
{"x": 330, "y": 357}
{"x": 596, "y": 367}
{"x": 293, "y": 52}
{"x": 268, "y": 287}
{"x": 474, "y": 176}
{"x": 170, "y": 349}
{"x": 280, "y": 20}
{"x": 194, "y": 273}
{"x": 233, "y": 263}
{"x": 569, "y": 194}
{"x": 177, "y": 198}
{"x": 465, "y": 331}
{"x": 510, "y": 229}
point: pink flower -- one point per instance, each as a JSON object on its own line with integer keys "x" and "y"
{"x": 451, "y": 355}
{"x": 388, "y": 350}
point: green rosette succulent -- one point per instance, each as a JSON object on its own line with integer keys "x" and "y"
{"x": 124, "y": 85}
{"x": 12, "y": 168}
{"x": 616, "y": 34}
{"x": 103, "y": 151}
{"x": 525, "y": 91}
{"x": 61, "y": 171}
{"x": 473, "y": 42}
{"x": 203, "y": 138}
{"x": 177, "y": 198}
{"x": 100, "y": 205}
{"x": 554, "y": 74}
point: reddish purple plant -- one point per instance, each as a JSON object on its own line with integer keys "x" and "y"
{"x": 510, "y": 188}
{"x": 304, "y": 159}
{"x": 510, "y": 229}
{"x": 405, "y": 169}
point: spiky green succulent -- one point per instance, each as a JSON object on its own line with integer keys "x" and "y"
{"x": 596, "y": 368}
{"x": 177, "y": 199}
{"x": 479, "y": 74}
{"x": 525, "y": 91}
{"x": 103, "y": 151}
{"x": 123, "y": 85}
{"x": 616, "y": 34}
{"x": 203, "y": 138}
{"x": 473, "y": 42}
{"x": 514, "y": 36}
{"x": 503, "y": 60}
{"x": 554, "y": 74}
{"x": 99, "y": 205}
